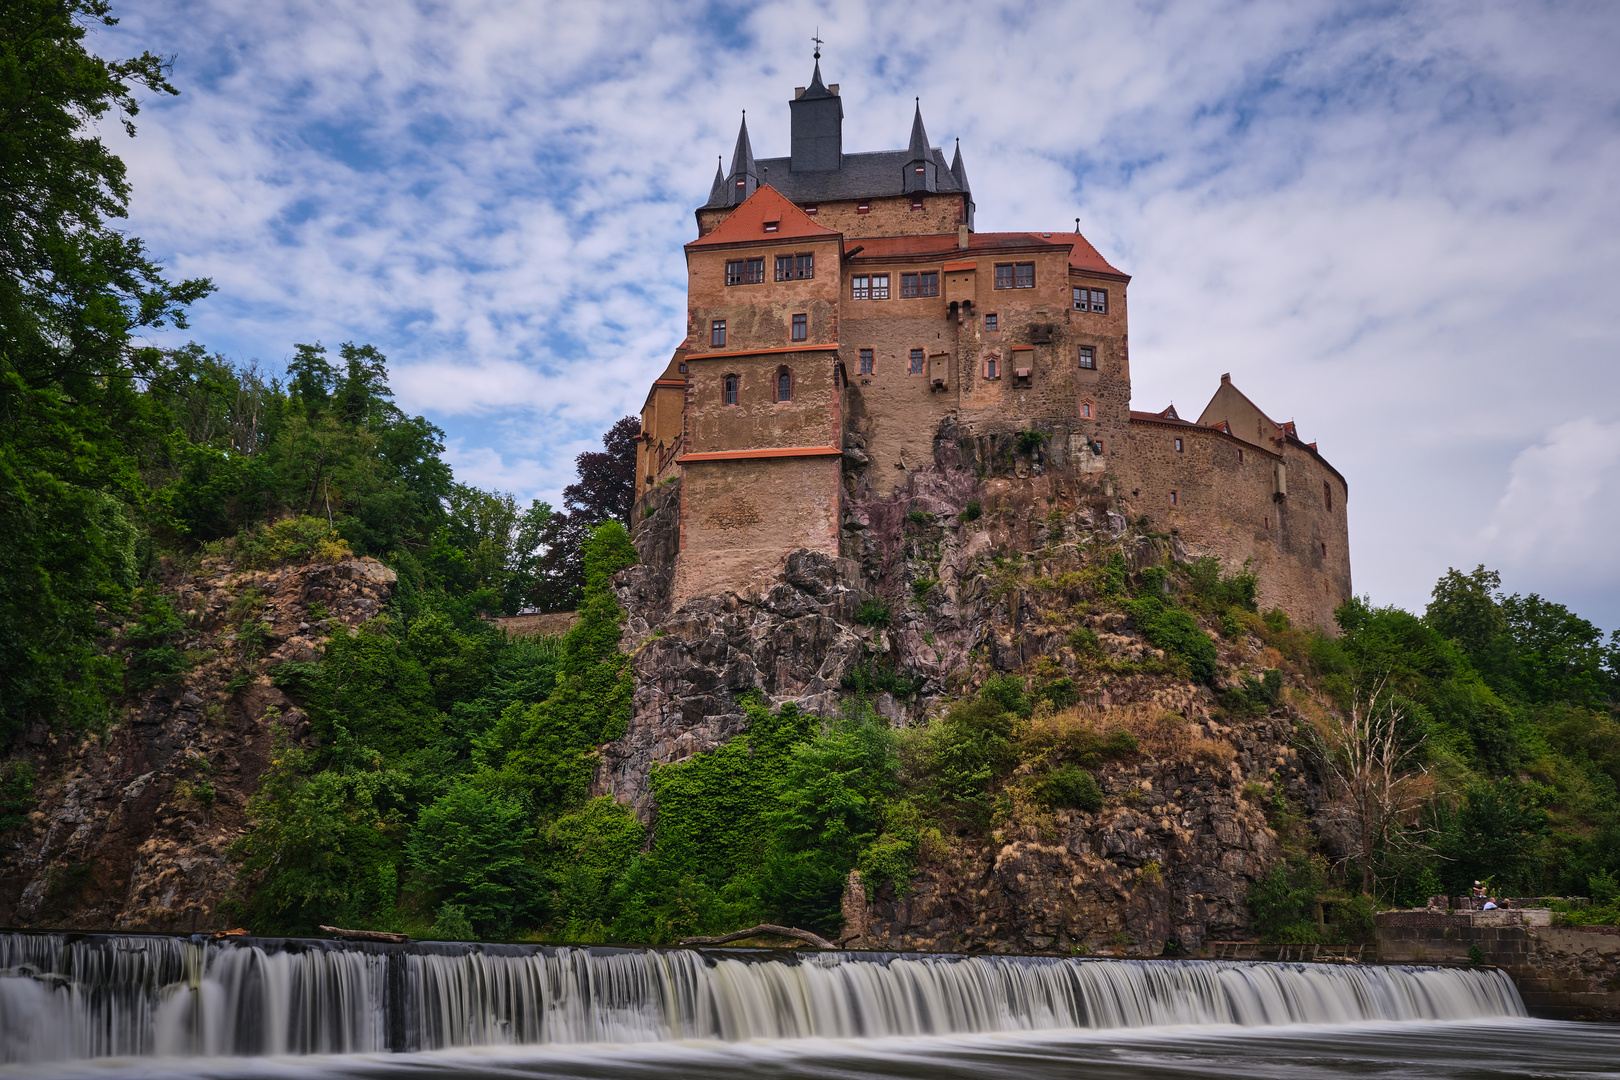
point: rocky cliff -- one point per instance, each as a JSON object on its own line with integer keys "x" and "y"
{"x": 988, "y": 563}
{"x": 133, "y": 826}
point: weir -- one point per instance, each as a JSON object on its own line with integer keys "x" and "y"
{"x": 66, "y": 996}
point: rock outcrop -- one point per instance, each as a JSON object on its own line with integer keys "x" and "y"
{"x": 134, "y": 827}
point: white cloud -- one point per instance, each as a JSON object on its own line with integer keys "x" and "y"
{"x": 1558, "y": 519}
{"x": 1394, "y": 223}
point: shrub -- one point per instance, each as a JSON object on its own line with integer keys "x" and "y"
{"x": 1212, "y": 752}
{"x": 152, "y": 642}
{"x": 452, "y": 924}
{"x": 872, "y": 676}
{"x": 16, "y": 794}
{"x": 290, "y": 540}
{"x": 921, "y": 587}
{"x": 1083, "y": 640}
{"x": 1175, "y": 631}
{"x": 1277, "y": 621}
{"x": 1603, "y": 888}
{"x": 972, "y": 512}
{"x": 920, "y": 518}
{"x": 1030, "y": 441}
{"x": 1255, "y": 697}
{"x": 873, "y": 612}
{"x": 1073, "y": 787}
{"x": 1281, "y": 903}
{"x": 467, "y": 849}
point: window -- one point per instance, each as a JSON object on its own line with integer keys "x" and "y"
{"x": 683, "y": 369}
{"x": 991, "y": 368}
{"x": 1327, "y": 496}
{"x": 921, "y": 284}
{"x": 795, "y": 267}
{"x": 991, "y": 322}
{"x": 1015, "y": 275}
{"x": 1324, "y": 549}
{"x": 869, "y": 287}
{"x": 728, "y": 396}
{"x": 784, "y": 384}
{"x": 801, "y": 327}
{"x": 772, "y": 226}
{"x": 916, "y": 201}
{"x": 916, "y": 361}
{"x": 866, "y": 361}
{"x": 717, "y": 334}
{"x": 1088, "y": 358}
{"x": 863, "y": 208}
{"x": 1085, "y": 410}
{"x": 1099, "y": 446}
{"x": 745, "y": 271}
{"x": 1091, "y": 300}
{"x": 1178, "y": 446}
{"x": 1240, "y": 457}
{"x": 810, "y": 208}
{"x": 1175, "y": 500}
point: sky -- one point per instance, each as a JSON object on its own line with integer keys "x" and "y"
{"x": 1394, "y": 223}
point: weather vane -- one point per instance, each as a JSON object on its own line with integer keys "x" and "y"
{"x": 818, "y": 41}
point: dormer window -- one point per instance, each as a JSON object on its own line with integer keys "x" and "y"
{"x": 916, "y": 202}
{"x": 772, "y": 226}
{"x": 863, "y": 208}
{"x": 920, "y": 170}
{"x": 810, "y": 209}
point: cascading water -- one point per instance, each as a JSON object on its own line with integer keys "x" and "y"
{"x": 78, "y": 996}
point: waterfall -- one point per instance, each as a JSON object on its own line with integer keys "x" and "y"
{"x": 79, "y": 995}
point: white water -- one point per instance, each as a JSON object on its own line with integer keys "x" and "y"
{"x": 81, "y": 996}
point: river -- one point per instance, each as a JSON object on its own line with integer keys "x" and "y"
{"x": 114, "y": 1006}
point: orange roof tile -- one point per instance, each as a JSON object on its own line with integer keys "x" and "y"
{"x": 746, "y": 224}
{"x": 1082, "y": 256}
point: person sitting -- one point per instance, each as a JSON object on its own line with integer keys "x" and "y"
{"x": 1490, "y": 904}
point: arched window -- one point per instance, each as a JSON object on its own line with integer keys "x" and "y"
{"x": 732, "y": 384}
{"x": 784, "y": 383}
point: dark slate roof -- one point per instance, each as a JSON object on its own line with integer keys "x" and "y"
{"x": 864, "y": 176}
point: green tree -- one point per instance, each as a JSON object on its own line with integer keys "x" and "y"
{"x": 467, "y": 849}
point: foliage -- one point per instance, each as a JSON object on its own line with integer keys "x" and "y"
{"x": 1254, "y": 697}
{"x": 1071, "y": 786}
{"x": 972, "y": 512}
{"x": 467, "y": 849}
{"x": 16, "y": 794}
{"x": 1031, "y": 441}
{"x": 1281, "y": 904}
{"x": 1175, "y": 631}
{"x": 874, "y": 611}
{"x": 874, "y": 676}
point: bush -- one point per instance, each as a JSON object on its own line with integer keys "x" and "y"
{"x": 467, "y": 850}
{"x": 16, "y": 794}
{"x": 972, "y": 512}
{"x": 1255, "y": 697}
{"x": 290, "y": 540}
{"x": 1281, "y": 903}
{"x": 452, "y": 924}
{"x": 1083, "y": 640}
{"x": 1030, "y": 441}
{"x": 152, "y": 643}
{"x": 872, "y": 612}
{"x": 1175, "y": 631}
{"x": 1073, "y": 787}
{"x": 872, "y": 676}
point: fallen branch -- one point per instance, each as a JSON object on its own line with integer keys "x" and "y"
{"x": 366, "y": 935}
{"x": 763, "y": 928}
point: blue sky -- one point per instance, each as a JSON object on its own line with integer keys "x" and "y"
{"x": 1393, "y": 223}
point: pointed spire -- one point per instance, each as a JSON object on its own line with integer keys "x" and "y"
{"x": 717, "y": 190}
{"x": 919, "y": 137}
{"x": 744, "y": 178}
{"x": 922, "y": 171}
{"x": 959, "y": 170}
{"x": 817, "y": 88}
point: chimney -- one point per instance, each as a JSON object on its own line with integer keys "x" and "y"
{"x": 1226, "y": 378}
{"x": 962, "y": 236}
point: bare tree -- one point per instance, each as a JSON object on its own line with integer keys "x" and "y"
{"x": 1360, "y": 750}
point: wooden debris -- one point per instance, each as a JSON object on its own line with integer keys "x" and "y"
{"x": 366, "y": 935}
{"x": 764, "y": 928}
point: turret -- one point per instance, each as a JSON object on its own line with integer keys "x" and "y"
{"x": 744, "y": 178}
{"x": 818, "y": 127}
{"x": 922, "y": 172}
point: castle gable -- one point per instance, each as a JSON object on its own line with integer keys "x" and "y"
{"x": 750, "y": 223}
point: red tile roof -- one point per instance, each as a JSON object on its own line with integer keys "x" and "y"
{"x": 1082, "y": 256}
{"x": 746, "y": 224}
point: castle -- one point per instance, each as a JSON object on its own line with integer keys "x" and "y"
{"x": 843, "y": 312}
